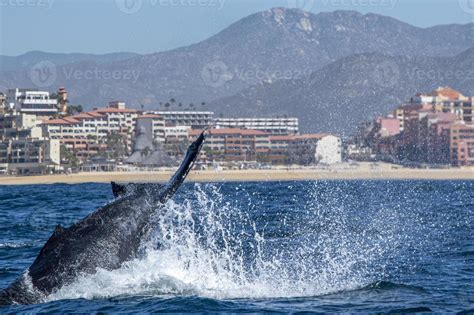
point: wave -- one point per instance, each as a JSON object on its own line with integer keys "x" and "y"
{"x": 11, "y": 245}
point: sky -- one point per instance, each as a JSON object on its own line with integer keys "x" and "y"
{"x": 147, "y": 26}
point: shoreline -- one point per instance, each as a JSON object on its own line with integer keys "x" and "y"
{"x": 361, "y": 173}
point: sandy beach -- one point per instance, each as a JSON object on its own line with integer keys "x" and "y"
{"x": 341, "y": 172}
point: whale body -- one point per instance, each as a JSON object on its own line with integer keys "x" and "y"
{"x": 104, "y": 239}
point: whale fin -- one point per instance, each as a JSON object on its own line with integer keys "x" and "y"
{"x": 58, "y": 230}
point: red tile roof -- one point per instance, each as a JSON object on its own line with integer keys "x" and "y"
{"x": 95, "y": 114}
{"x": 149, "y": 116}
{"x": 61, "y": 121}
{"x": 391, "y": 125}
{"x": 444, "y": 117}
{"x": 447, "y": 92}
{"x": 299, "y": 137}
{"x": 87, "y": 115}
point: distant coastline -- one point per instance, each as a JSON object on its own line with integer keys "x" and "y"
{"x": 341, "y": 172}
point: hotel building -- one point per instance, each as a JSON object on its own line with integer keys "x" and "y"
{"x": 274, "y": 126}
{"x": 31, "y": 101}
{"x": 462, "y": 144}
{"x": 194, "y": 119}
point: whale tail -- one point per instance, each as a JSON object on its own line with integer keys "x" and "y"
{"x": 166, "y": 191}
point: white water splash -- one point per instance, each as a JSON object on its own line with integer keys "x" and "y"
{"x": 211, "y": 248}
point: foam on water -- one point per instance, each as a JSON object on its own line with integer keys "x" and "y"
{"x": 211, "y": 247}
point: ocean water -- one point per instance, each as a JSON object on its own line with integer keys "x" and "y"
{"x": 320, "y": 246}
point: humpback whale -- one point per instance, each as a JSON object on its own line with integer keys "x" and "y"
{"x": 104, "y": 239}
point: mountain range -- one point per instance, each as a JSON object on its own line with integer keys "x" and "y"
{"x": 347, "y": 92}
{"x": 280, "y": 61}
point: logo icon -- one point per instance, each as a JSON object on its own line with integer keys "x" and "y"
{"x": 216, "y": 73}
{"x": 305, "y": 5}
{"x": 43, "y": 74}
{"x": 467, "y": 6}
{"x": 129, "y": 6}
{"x": 386, "y": 74}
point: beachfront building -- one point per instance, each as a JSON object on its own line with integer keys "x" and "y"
{"x": 424, "y": 133}
{"x": 278, "y": 153}
{"x": 274, "y": 126}
{"x": 88, "y": 133}
{"x": 120, "y": 120}
{"x": 193, "y": 119}
{"x": 425, "y": 137}
{"x": 329, "y": 150}
{"x": 462, "y": 144}
{"x": 234, "y": 144}
{"x": 305, "y": 149}
{"x": 447, "y": 100}
{"x": 31, "y": 101}
{"x": 302, "y": 148}
{"x": 29, "y": 156}
{"x": 23, "y": 149}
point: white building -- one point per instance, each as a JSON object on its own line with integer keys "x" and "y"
{"x": 85, "y": 132}
{"x": 16, "y": 126}
{"x": 30, "y": 101}
{"x": 29, "y": 156}
{"x": 176, "y": 134}
{"x": 329, "y": 150}
{"x": 35, "y": 151}
{"x": 275, "y": 126}
{"x": 195, "y": 119}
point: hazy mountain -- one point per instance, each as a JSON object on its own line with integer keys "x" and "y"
{"x": 28, "y": 60}
{"x": 267, "y": 46}
{"x": 341, "y": 95}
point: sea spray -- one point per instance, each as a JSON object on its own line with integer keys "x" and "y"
{"x": 240, "y": 243}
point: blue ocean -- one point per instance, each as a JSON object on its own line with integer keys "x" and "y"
{"x": 318, "y": 246}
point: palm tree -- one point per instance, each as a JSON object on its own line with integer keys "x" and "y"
{"x": 68, "y": 156}
{"x": 116, "y": 145}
